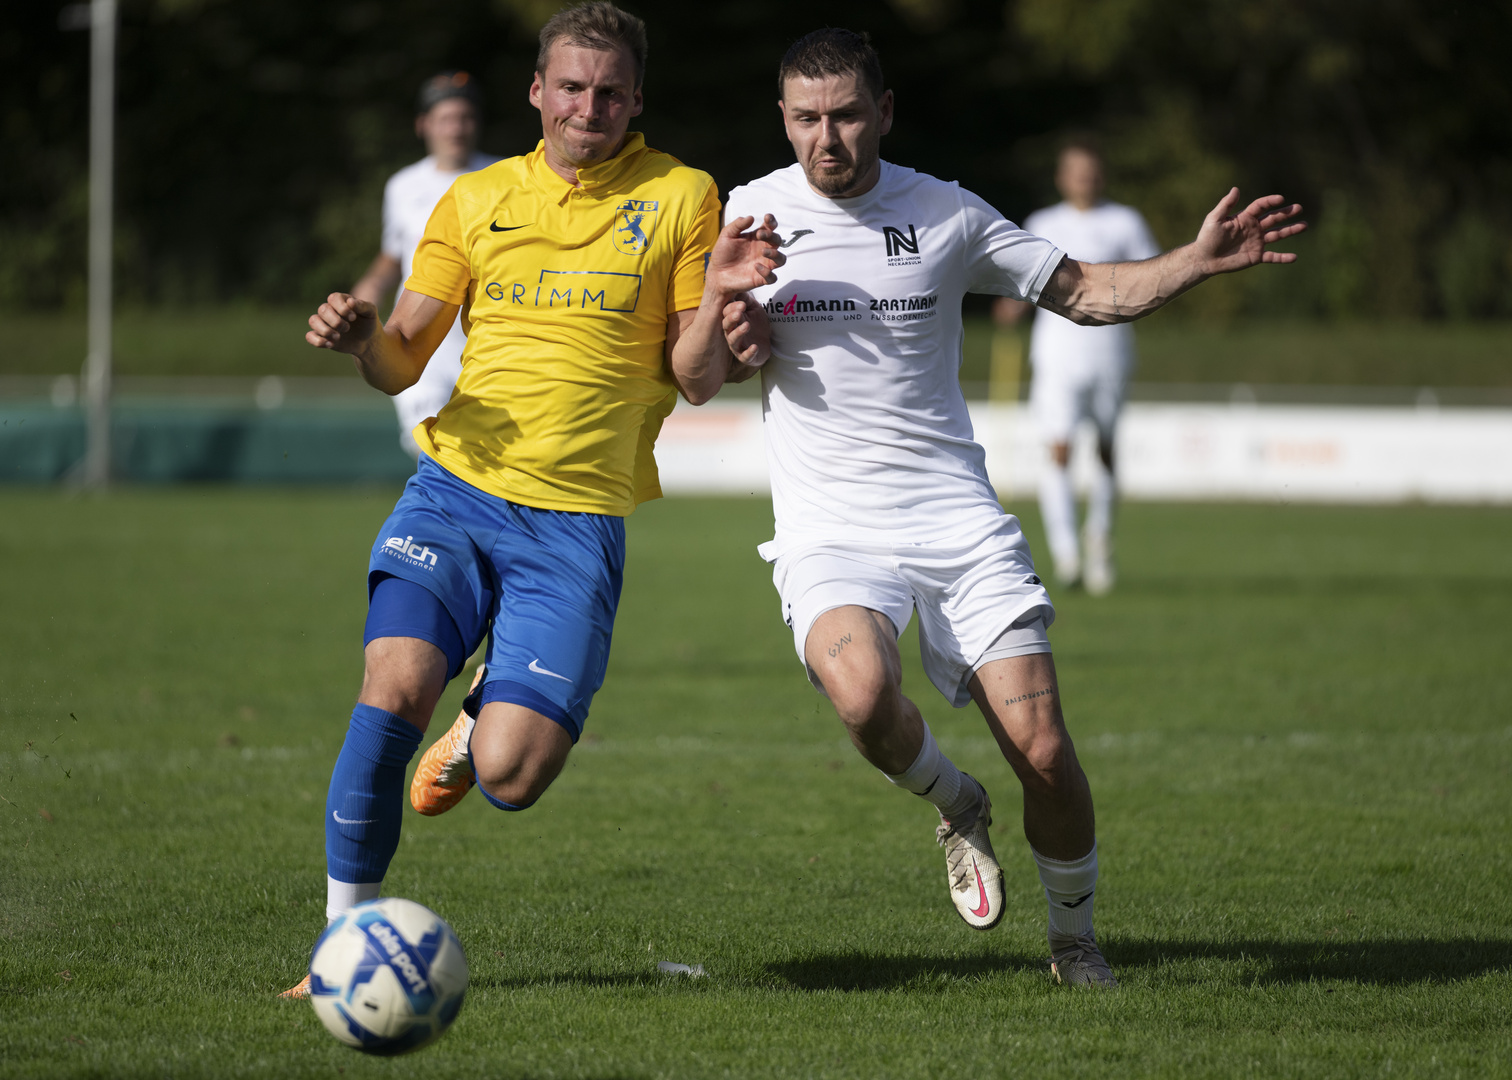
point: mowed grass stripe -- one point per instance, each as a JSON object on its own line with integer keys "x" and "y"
{"x": 1295, "y": 720}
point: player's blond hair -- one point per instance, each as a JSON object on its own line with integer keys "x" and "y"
{"x": 597, "y": 24}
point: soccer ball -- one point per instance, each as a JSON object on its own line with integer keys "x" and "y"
{"x": 387, "y": 976}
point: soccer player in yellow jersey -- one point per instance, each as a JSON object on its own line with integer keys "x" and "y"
{"x": 592, "y": 275}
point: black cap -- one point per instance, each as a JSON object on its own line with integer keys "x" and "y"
{"x": 448, "y": 84}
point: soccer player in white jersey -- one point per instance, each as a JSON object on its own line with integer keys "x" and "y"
{"x": 1080, "y": 372}
{"x": 447, "y": 121}
{"x": 879, "y": 488}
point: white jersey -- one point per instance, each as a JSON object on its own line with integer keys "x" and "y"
{"x": 867, "y": 433}
{"x": 408, "y": 199}
{"x": 1108, "y": 232}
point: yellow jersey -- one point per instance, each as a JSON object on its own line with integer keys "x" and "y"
{"x": 565, "y": 294}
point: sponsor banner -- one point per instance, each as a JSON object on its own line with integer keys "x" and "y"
{"x": 1271, "y": 453}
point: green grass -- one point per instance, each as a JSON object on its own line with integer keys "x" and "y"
{"x": 1295, "y": 721}
{"x": 1173, "y": 350}
{"x": 208, "y": 341}
{"x": 251, "y": 341}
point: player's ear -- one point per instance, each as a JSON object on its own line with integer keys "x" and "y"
{"x": 885, "y": 108}
{"x": 640, "y": 103}
{"x": 535, "y": 90}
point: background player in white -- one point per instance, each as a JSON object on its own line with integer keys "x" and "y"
{"x": 447, "y": 120}
{"x": 1080, "y": 371}
{"x": 879, "y": 489}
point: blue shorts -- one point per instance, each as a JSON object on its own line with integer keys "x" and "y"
{"x": 543, "y": 584}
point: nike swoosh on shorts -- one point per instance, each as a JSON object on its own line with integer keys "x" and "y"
{"x": 535, "y": 666}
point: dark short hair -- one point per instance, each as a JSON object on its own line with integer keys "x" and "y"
{"x": 832, "y": 51}
{"x": 597, "y": 24}
{"x": 448, "y": 84}
{"x": 1085, "y": 142}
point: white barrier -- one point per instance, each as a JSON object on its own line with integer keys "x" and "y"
{"x": 1266, "y": 453}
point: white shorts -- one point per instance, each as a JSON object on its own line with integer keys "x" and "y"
{"x": 1061, "y": 395}
{"x": 967, "y": 597}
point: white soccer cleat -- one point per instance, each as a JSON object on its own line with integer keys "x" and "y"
{"x": 1099, "y": 575}
{"x": 971, "y": 867}
{"x": 1077, "y": 961}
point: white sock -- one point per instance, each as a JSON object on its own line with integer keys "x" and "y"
{"x": 1100, "y": 502}
{"x": 1068, "y": 888}
{"x": 1058, "y": 508}
{"x": 341, "y": 895}
{"x": 934, "y": 778}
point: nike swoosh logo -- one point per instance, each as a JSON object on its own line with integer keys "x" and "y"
{"x": 535, "y": 666}
{"x": 1077, "y": 903}
{"x": 980, "y": 911}
{"x": 798, "y": 235}
{"x": 507, "y": 228}
{"x": 349, "y": 821}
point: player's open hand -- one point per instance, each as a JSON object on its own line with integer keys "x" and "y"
{"x": 743, "y": 260}
{"x": 747, "y": 331}
{"x": 1228, "y": 241}
{"x": 343, "y": 323}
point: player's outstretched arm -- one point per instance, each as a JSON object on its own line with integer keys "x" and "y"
{"x": 389, "y": 357}
{"x": 697, "y": 353}
{"x": 1100, "y": 293}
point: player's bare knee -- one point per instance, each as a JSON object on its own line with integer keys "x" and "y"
{"x": 863, "y": 696}
{"x": 404, "y": 676}
{"x": 518, "y": 779}
{"x": 516, "y": 754}
{"x": 409, "y": 699}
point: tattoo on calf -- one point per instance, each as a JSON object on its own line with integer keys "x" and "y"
{"x": 839, "y": 646}
{"x": 1025, "y": 697}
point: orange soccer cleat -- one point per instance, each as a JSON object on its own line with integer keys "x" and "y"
{"x": 298, "y": 992}
{"x": 445, "y": 773}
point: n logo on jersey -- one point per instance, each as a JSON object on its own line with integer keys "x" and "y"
{"x": 633, "y": 221}
{"x": 897, "y": 243}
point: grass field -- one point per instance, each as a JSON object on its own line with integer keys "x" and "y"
{"x": 248, "y": 341}
{"x": 1296, "y": 722}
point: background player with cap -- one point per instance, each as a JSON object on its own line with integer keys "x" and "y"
{"x": 592, "y": 273}
{"x": 447, "y": 119}
{"x": 1080, "y": 372}
{"x": 879, "y": 489}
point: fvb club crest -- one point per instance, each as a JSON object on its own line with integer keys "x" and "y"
{"x": 633, "y": 221}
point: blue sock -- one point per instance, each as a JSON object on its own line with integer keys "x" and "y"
{"x": 366, "y": 798}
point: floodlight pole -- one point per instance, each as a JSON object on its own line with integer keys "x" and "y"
{"x": 97, "y": 367}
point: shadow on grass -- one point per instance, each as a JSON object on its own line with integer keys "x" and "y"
{"x": 1380, "y": 963}
{"x": 1264, "y": 963}
{"x": 575, "y": 979}
{"x": 861, "y": 971}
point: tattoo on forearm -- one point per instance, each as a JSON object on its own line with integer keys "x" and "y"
{"x": 1025, "y": 697}
{"x": 838, "y": 647}
{"x": 1113, "y": 281}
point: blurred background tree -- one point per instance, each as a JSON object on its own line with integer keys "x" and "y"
{"x": 254, "y": 139}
